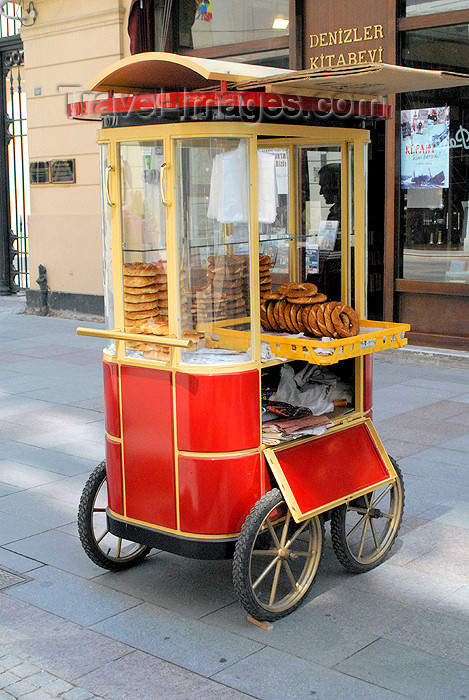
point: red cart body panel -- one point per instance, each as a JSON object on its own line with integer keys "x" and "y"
{"x": 218, "y": 412}
{"x": 323, "y": 472}
{"x": 216, "y": 494}
{"x": 114, "y": 476}
{"x": 148, "y": 445}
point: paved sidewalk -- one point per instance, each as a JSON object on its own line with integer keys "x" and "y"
{"x": 171, "y": 627}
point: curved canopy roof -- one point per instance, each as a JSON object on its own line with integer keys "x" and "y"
{"x": 153, "y": 71}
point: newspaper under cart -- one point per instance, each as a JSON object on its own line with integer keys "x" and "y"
{"x": 238, "y": 369}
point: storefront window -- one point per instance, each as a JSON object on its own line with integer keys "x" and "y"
{"x": 429, "y": 7}
{"x": 435, "y": 163}
{"x": 275, "y": 59}
{"x": 221, "y": 22}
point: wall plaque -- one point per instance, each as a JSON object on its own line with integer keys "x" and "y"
{"x": 63, "y": 170}
{"x": 39, "y": 172}
{"x": 43, "y": 172}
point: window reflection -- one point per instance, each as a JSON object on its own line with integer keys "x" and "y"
{"x": 428, "y": 7}
{"x": 220, "y": 22}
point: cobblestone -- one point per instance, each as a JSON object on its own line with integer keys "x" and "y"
{"x": 10, "y": 661}
{"x": 25, "y": 670}
{"x": 57, "y": 687}
{"x": 77, "y": 694}
{"x": 41, "y": 678}
{"x": 7, "y": 678}
{"x": 20, "y": 688}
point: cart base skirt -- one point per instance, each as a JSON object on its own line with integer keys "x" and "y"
{"x": 192, "y": 547}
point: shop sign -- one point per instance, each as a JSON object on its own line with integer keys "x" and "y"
{"x": 425, "y": 147}
{"x": 460, "y": 139}
{"x": 347, "y": 46}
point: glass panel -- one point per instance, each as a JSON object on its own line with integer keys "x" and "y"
{"x": 428, "y": 7}
{"x": 441, "y": 48}
{"x": 274, "y": 236}
{"x": 276, "y": 59}
{"x": 107, "y": 246}
{"x": 144, "y": 246}
{"x": 213, "y": 233}
{"x": 435, "y": 164}
{"x": 320, "y": 211}
{"x": 220, "y": 22}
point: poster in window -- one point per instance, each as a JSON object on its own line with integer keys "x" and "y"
{"x": 425, "y": 147}
{"x": 204, "y": 10}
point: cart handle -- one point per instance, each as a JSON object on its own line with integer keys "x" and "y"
{"x": 164, "y": 201}
{"x": 116, "y": 334}
{"x": 107, "y": 189}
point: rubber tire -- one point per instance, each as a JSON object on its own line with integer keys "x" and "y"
{"x": 85, "y": 527}
{"x": 242, "y": 559}
{"x": 338, "y": 529}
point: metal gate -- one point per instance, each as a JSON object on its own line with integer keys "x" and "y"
{"x": 14, "y": 180}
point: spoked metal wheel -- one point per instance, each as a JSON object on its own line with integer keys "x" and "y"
{"x": 364, "y": 530}
{"x": 275, "y": 559}
{"x": 105, "y": 549}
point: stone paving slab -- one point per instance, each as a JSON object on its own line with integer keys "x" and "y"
{"x": 59, "y": 550}
{"x": 72, "y": 597}
{"x": 62, "y": 648}
{"x": 166, "y": 635}
{"x": 271, "y": 674}
{"x": 410, "y": 671}
{"x": 140, "y": 675}
{"x": 188, "y": 587}
{"x": 43, "y": 458}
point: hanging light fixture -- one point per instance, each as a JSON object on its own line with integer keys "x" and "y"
{"x": 26, "y": 18}
{"x": 280, "y": 23}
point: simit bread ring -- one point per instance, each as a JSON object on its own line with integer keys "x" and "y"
{"x": 313, "y": 321}
{"x": 304, "y": 316}
{"x": 137, "y": 298}
{"x": 264, "y": 260}
{"x": 275, "y": 310}
{"x": 299, "y": 319}
{"x": 328, "y": 308}
{"x": 139, "y": 281}
{"x": 294, "y": 317}
{"x": 345, "y": 320}
{"x": 264, "y": 319}
{"x": 298, "y": 289}
{"x": 321, "y": 321}
{"x": 281, "y": 315}
{"x": 142, "y": 269}
{"x": 288, "y": 322}
{"x": 271, "y": 315}
{"x": 314, "y": 299}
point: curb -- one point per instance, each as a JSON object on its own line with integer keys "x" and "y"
{"x": 424, "y": 355}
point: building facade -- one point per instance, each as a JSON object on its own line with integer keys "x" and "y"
{"x": 419, "y": 162}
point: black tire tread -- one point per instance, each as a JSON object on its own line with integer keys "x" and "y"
{"x": 85, "y": 529}
{"x": 242, "y": 554}
{"x": 340, "y": 548}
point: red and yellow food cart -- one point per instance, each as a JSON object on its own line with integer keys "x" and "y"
{"x": 238, "y": 374}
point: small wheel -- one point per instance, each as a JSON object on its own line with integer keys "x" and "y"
{"x": 364, "y": 530}
{"x": 105, "y": 549}
{"x": 275, "y": 559}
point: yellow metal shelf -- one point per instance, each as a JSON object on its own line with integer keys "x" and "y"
{"x": 373, "y": 337}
